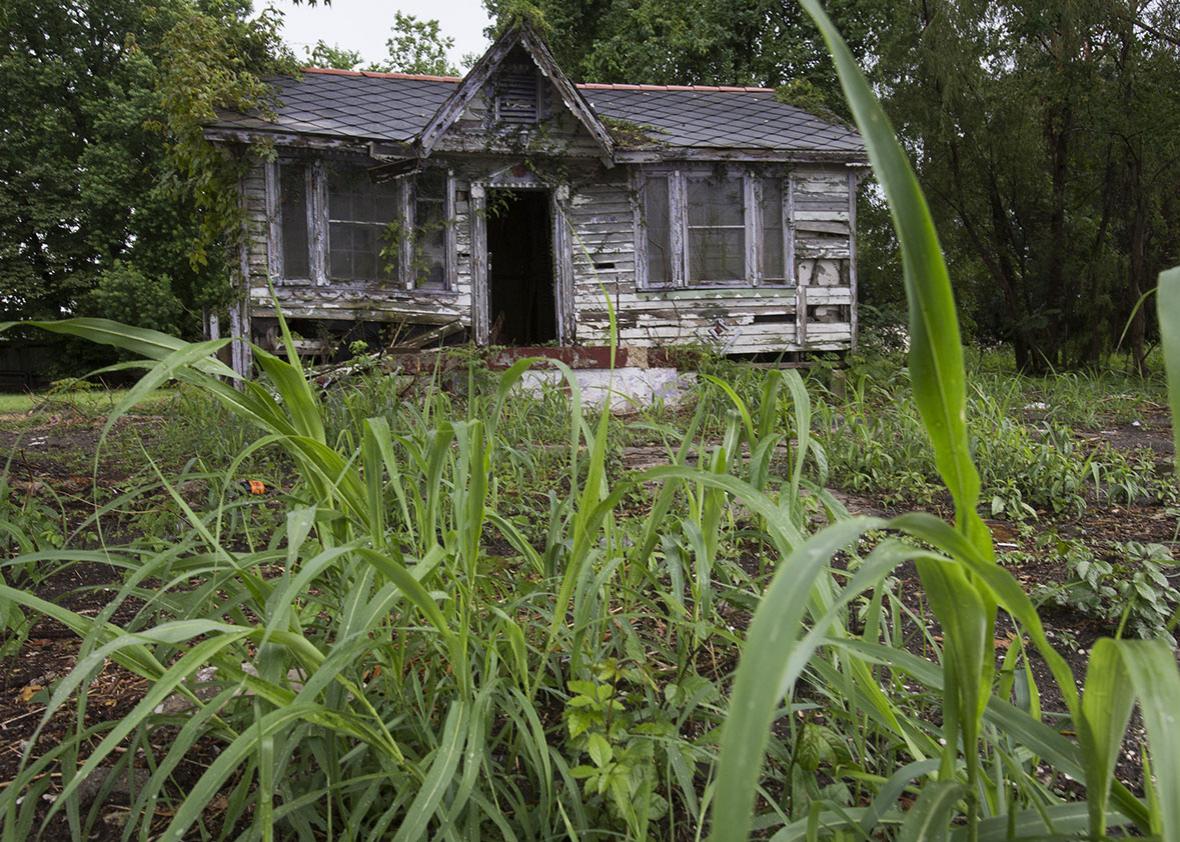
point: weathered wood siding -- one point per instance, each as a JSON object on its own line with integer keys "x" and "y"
{"x": 818, "y": 313}
{"x": 815, "y": 315}
{"x": 375, "y": 301}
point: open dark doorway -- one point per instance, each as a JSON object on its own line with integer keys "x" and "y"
{"x": 521, "y": 307}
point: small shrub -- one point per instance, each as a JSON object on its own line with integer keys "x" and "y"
{"x": 125, "y": 294}
{"x": 1128, "y": 590}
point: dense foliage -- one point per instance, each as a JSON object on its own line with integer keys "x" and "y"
{"x": 107, "y": 189}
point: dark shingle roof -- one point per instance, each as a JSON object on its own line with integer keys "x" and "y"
{"x": 744, "y": 118}
{"x": 371, "y": 106}
{"x": 396, "y": 107}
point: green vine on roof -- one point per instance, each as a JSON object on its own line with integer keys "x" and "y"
{"x": 630, "y": 133}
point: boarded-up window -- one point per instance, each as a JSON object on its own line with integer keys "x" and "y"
{"x": 362, "y": 242}
{"x": 716, "y": 230}
{"x": 658, "y": 231}
{"x": 430, "y": 230}
{"x": 773, "y": 263}
{"x": 293, "y": 219}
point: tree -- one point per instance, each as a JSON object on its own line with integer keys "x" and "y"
{"x": 745, "y": 42}
{"x": 332, "y": 56}
{"x": 1046, "y": 135}
{"x": 104, "y": 171}
{"x": 417, "y": 46}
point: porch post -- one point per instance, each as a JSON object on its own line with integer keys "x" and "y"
{"x": 479, "y": 264}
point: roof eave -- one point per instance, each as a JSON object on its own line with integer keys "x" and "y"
{"x": 377, "y": 147}
{"x": 649, "y": 155}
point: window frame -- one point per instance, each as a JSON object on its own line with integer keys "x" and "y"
{"x": 326, "y": 220}
{"x": 409, "y": 244}
{"x": 318, "y": 221}
{"x": 679, "y": 244}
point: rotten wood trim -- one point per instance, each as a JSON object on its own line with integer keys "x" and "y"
{"x": 673, "y": 154}
{"x": 241, "y": 354}
{"x": 678, "y": 224}
{"x": 407, "y": 211}
{"x": 274, "y": 226}
{"x": 790, "y": 269}
{"x": 853, "y": 179}
{"x": 563, "y": 255}
{"x": 451, "y": 257}
{"x": 479, "y": 263}
{"x": 636, "y": 180}
{"x": 295, "y": 140}
{"x": 752, "y": 216}
{"x": 800, "y": 281}
{"x": 317, "y": 221}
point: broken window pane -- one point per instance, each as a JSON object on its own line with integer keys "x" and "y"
{"x": 362, "y": 241}
{"x": 659, "y": 232}
{"x": 773, "y": 269}
{"x": 430, "y": 230}
{"x": 293, "y": 219}
{"x": 716, "y": 230}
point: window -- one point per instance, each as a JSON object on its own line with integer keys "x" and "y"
{"x": 430, "y": 230}
{"x": 657, "y": 231}
{"x": 361, "y": 239}
{"x": 773, "y": 261}
{"x": 293, "y": 178}
{"x": 696, "y": 228}
{"x": 716, "y": 230}
{"x": 332, "y": 222}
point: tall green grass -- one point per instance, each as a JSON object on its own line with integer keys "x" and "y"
{"x": 442, "y": 631}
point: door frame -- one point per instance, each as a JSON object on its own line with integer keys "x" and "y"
{"x": 563, "y": 268}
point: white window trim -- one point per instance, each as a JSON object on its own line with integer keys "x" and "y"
{"x": 409, "y": 199}
{"x": 678, "y": 222}
{"x": 318, "y": 222}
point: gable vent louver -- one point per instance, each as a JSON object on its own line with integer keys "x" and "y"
{"x": 516, "y": 94}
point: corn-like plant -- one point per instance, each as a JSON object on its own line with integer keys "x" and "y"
{"x": 964, "y": 585}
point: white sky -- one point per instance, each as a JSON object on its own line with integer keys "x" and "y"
{"x": 365, "y": 25}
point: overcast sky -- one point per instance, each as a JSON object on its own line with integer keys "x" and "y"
{"x": 365, "y": 25}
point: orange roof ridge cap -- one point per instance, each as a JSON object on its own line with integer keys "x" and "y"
{"x": 376, "y": 74}
{"x": 620, "y": 86}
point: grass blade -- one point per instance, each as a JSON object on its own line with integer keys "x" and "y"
{"x": 936, "y": 352}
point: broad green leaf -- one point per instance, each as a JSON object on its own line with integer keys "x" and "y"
{"x": 763, "y": 672}
{"x": 138, "y": 340}
{"x": 929, "y": 820}
{"x": 936, "y": 351}
{"x": 442, "y": 770}
{"x": 1168, "y": 308}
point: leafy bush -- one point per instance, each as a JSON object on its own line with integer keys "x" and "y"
{"x": 125, "y": 294}
{"x": 1131, "y": 592}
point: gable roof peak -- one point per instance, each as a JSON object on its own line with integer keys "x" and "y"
{"x": 523, "y": 34}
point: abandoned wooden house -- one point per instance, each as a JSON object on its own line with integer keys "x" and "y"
{"x": 514, "y": 207}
